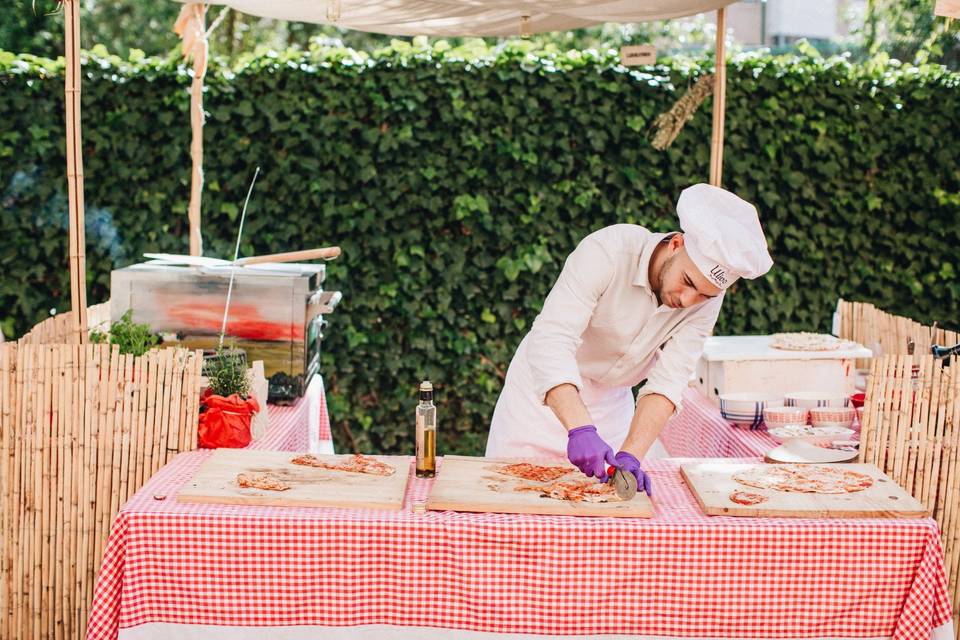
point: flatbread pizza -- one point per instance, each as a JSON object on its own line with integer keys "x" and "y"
{"x": 804, "y": 478}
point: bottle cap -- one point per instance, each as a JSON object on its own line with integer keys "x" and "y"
{"x": 426, "y": 386}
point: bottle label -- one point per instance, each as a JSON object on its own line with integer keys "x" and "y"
{"x": 420, "y": 437}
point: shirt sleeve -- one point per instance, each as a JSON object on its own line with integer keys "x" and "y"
{"x": 671, "y": 374}
{"x": 557, "y": 332}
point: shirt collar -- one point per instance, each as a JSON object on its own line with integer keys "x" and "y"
{"x": 642, "y": 277}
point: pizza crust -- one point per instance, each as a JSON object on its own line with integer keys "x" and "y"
{"x": 746, "y": 498}
{"x": 804, "y": 341}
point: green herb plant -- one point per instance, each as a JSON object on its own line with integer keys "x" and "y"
{"x": 228, "y": 375}
{"x": 132, "y": 338}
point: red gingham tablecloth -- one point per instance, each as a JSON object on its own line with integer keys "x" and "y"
{"x": 295, "y": 427}
{"x": 680, "y": 573}
{"x": 699, "y": 431}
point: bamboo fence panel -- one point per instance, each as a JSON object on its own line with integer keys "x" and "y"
{"x": 76, "y": 441}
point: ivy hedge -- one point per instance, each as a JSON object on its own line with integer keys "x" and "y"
{"x": 456, "y": 182}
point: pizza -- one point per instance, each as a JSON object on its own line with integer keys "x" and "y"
{"x": 804, "y": 478}
{"x": 266, "y": 481}
{"x": 358, "y": 463}
{"x": 745, "y": 498}
{"x": 804, "y": 341}
{"x": 527, "y": 471}
{"x": 574, "y": 491}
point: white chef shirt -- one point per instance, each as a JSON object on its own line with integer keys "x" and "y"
{"x": 602, "y": 321}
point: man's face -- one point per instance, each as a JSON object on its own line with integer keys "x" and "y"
{"x": 681, "y": 283}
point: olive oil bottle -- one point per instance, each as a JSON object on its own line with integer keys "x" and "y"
{"x": 426, "y": 432}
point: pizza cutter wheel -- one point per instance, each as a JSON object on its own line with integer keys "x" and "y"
{"x": 623, "y": 482}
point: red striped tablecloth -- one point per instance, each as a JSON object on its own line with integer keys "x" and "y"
{"x": 302, "y": 426}
{"x": 699, "y": 431}
{"x": 211, "y": 571}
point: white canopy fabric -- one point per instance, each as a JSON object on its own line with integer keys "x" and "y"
{"x": 470, "y": 17}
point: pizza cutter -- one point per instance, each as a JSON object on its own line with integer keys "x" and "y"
{"x": 623, "y": 482}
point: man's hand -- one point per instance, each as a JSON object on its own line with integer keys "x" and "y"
{"x": 628, "y": 462}
{"x": 589, "y": 453}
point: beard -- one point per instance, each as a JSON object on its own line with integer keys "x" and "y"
{"x": 663, "y": 275}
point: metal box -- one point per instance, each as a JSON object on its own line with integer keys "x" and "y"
{"x": 276, "y": 310}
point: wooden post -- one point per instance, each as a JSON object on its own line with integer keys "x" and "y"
{"x": 78, "y": 264}
{"x": 719, "y": 101}
{"x": 191, "y": 27}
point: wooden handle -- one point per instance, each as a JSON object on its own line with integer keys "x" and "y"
{"x": 325, "y": 253}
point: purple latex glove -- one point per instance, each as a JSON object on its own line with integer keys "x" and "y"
{"x": 629, "y": 462}
{"x": 588, "y": 452}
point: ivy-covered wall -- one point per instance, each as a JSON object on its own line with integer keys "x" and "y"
{"x": 457, "y": 184}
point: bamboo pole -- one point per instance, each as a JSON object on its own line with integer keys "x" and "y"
{"x": 177, "y": 422}
{"x": 900, "y": 442}
{"x": 117, "y": 441}
{"x": 946, "y": 500}
{"x": 952, "y": 498}
{"x": 918, "y": 432}
{"x": 194, "y": 423}
{"x": 70, "y": 492}
{"x": 45, "y": 489}
{"x": 74, "y": 153}
{"x": 719, "y": 101}
{"x": 165, "y": 383}
{"x": 36, "y": 489}
{"x": 151, "y": 386}
{"x": 143, "y": 389}
{"x": 105, "y": 437}
{"x": 126, "y": 450}
{"x": 926, "y": 429}
{"x": 19, "y": 489}
{"x": 6, "y": 512}
{"x": 88, "y": 477}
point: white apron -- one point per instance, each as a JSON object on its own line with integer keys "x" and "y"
{"x": 522, "y": 427}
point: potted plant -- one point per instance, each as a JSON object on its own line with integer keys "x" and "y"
{"x": 132, "y": 338}
{"x": 227, "y": 404}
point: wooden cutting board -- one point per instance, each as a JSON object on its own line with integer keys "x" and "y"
{"x": 711, "y": 482}
{"x": 215, "y": 482}
{"x": 472, "y": 484}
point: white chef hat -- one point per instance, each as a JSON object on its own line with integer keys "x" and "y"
{"x": 722, "y": 235}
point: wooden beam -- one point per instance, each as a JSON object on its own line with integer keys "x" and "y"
{"x": 719, "y": 101}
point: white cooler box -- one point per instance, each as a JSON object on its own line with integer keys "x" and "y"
{"x": 731, "y": 364}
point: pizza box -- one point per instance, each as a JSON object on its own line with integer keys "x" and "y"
{"x": 736, "y": 364}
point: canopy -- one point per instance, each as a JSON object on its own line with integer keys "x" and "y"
{"x": 469, "y": 17}
{"x": 498, "y": 18}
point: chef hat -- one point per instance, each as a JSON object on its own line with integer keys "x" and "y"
{"x": 722, "y": 235}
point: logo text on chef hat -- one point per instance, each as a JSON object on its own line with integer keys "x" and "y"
{"x": 719, "y": 275}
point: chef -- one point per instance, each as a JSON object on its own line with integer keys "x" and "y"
{"x": 629, "y": 306}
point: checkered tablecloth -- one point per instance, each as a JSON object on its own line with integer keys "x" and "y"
{"x": 301, "y": 426}
{"x": 307, "y": 571}
{"x": 699, "y": 431}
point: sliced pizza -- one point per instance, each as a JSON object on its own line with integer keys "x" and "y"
{"x": 265, "y": 481}
{"x": 802, "y": 478}
{"x": 576, "y": 491}
{"x": 537, "y": 473}
{"x": 358, "y": 463}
